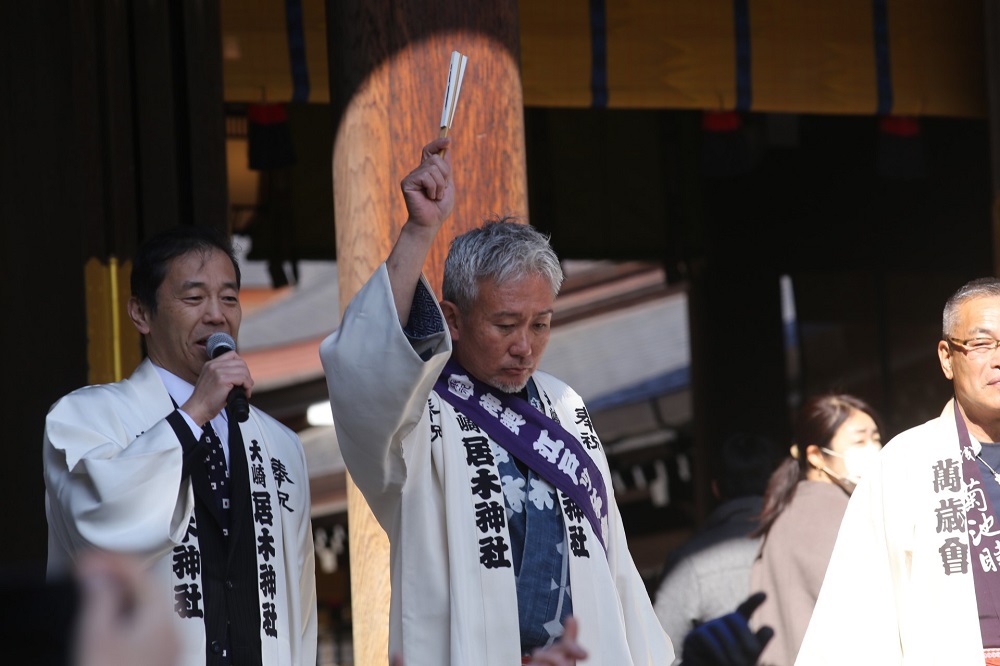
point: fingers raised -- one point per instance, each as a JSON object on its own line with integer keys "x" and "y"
{"x": 435, "y": 147}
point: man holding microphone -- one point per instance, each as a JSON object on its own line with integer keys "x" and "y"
{"x": 156, "y": 466}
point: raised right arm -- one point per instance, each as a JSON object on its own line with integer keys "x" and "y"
{"x": 378, "y": 376}
{"x": 430, "y": 197}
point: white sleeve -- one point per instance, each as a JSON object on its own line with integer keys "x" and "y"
{"x": 379, "y": 382}
{"x": 677, "y": 601}
{"x": 108, "y": 488}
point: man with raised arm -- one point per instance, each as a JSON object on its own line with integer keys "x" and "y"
{"x": 486, "y": 474}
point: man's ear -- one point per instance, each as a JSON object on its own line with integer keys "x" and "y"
{"x": 945, "y": 357}
{"x": 139, "y": 314}
{"x": 453, "y": 318}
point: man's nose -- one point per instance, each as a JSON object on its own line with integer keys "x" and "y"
{"x": 213, "y": 310}
{"x": 521, "y": 345}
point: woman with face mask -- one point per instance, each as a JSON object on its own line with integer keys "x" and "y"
{"x": 835, "y": 438}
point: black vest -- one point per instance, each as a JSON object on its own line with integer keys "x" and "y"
{"x": 229, "y": 566}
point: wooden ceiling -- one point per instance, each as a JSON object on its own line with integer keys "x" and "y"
{"x": 909, "y": 57}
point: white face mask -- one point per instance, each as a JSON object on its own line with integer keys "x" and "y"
{"x": 857, "y": 461}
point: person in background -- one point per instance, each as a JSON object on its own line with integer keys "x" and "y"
{"x": 915, "y": 574}
{"x": 709, "y": 575}
{"x": 836, "y": 438}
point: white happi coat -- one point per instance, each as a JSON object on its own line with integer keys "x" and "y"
{"x": 113, "y": 481}
{"x": 404, "y": 451}
{"x": 886, "y": 598}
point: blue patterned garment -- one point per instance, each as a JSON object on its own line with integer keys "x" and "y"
{"x": 534, "y": 517}
{"x": 539, "y": 549}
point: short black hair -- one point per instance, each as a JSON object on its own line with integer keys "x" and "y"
{"x": 744, "y": 464}
{"x": 155, "y": 254}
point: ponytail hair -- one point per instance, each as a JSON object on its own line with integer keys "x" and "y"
{"x": 780, "y": 490}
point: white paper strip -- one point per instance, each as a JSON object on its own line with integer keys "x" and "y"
{"x": 456, "y": 72}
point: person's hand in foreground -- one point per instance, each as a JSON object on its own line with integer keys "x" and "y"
{"x": 727, "y": 640}
{"x": 564, "y": 653}
{"x": 123, "y": 618}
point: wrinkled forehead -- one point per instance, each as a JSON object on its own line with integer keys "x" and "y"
{"x": 534, "y": 285}
{"x": 537, "y": 279}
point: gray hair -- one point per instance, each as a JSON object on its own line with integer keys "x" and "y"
{"x": 978, "y": 288}
{"x": 502, "y": 250}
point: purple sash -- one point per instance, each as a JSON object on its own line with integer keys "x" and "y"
{"x": 533, "y": 438}
{"x": 982, "y": 531}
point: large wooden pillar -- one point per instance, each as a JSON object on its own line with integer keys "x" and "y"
{"x": 388, "y": 66}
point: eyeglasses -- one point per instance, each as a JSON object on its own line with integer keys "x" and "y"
{"x": 976, "y": 345}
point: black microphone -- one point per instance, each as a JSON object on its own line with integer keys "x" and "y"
{"x": 218, "y": 344}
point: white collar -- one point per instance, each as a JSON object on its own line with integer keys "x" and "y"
{"x": 181, "y": 390}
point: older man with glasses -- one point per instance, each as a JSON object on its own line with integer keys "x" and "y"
{"x": 915, "y": 574}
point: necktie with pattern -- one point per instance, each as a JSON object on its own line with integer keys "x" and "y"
{"x": 218, "y": 472}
